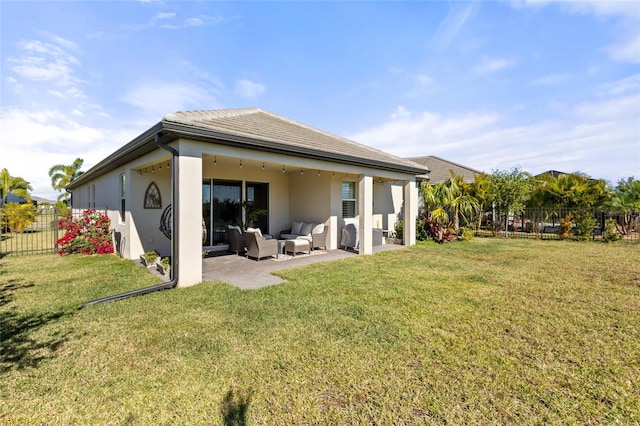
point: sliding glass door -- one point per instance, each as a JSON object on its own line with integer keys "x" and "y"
{"x": 258, "y": 196}
{"x": 222, "y": 206}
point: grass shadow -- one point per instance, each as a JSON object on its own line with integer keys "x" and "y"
{"x": 235, "y": 407}
{"x": 20, "y": 347}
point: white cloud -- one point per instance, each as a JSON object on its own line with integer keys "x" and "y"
{"x": 47, "y": 61}
{"x": 492, "y": 65}
{"x": 401, "y": 112}
{"x": 627, "y": 50}
{"x": 619, "y": 87}
{"x": 424, "y": 80}
{"x": 249, "y": 89}
{"x": 165, "y": 15}
{"x": 600, "y": 138}
{"x": 627, "y": 30}
{"x": 550, "y": 80}
{"x": 33, "y": 141}
{"x": 452, "y": 24}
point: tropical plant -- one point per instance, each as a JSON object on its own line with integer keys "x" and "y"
{"x": 448, "y": 202}
{"x": 438, "y": 232}
{"x": 585, "y": 224}
{"x": 509, "y": 189}
{"x": 62, "y": 175}
{"x": 18, "y": 217}
{"x": 466, "y": 234}
{"x": 611, "y": 232}
{"x": 88, "y": 234}
{"x": 250, "y": 213}
{"x": 480, "y": 190}
{"x": 566, "y": 225}
{"x": 625, "y": 199}
{"x": 13, "y": 185}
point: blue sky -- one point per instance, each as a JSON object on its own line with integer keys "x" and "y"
{"x": 491, "y": 85}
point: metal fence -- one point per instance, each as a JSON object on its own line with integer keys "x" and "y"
{"x": 546, "y": 223}
{"x": 27, "y": 229}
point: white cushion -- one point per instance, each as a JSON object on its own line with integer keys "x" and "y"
{"x": 256, "y": 230}
{"x": 306, "y": 228}
{"x": 296, "y": 228}
{"x": 318, "y": 229}
{"x": 235, "y": 227}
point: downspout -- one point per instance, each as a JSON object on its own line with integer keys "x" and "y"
{"x": 174, "y": 240}
{"x": 174, "y": 229}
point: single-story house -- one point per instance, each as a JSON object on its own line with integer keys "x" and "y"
{"x": 206, "y": 163}
{"x": 441, "y": 169}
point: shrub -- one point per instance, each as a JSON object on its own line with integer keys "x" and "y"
{"x": 439, "y": 233}
{"x": 151, "y": 256}
{"x": 399, "y": 229}
{"x": 18, "y": 217}
{"x": 566, "y": 224}
{"x": 585, "y": 224}
{"x": 611, "y": 232}
{"x": 421, "y": 229}
{"x": 89, "y": 234}
{"x": 466, "y": 234}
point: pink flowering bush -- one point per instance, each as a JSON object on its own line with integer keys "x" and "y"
{"x": 89, "y": 234}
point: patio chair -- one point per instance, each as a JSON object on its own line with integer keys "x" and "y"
{"x": 259, "y": 247}
{"x": 319, "y": 239}
{"x": 237, "y": 243}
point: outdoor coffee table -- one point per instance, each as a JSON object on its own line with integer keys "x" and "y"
{"x": 297, "y": 246}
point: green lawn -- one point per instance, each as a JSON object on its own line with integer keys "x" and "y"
{"x": 486, "y": 332}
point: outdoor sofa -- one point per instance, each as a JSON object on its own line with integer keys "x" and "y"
{"x": 315, "y": 233}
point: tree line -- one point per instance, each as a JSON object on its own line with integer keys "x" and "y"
{"x": 505, "y": 193}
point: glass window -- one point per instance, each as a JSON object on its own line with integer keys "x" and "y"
{"x": 348, "y": 199}
{"x": 123, "y": 197}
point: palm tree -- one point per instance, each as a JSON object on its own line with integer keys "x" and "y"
{"x": 62, "y": 175}
{"x": 13, "y": 185}
{"x": 479, "y": 189}
{"x": 448, "y": 201}
{"x": 625, "y": 199}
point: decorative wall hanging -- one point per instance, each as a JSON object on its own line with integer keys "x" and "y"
{"x": 152, "y": 198}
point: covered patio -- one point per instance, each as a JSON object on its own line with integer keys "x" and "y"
{"x": 248, "y": 274}
{"x": 204, "y": 169}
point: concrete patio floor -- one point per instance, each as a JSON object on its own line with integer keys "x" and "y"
{"x": 249, "y": 274}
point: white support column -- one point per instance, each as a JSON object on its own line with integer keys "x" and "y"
{"x": 410, "y": 212}
{"x": 188, "y": 209}
{"x": 332, "y": 235}
{"x": 365, "y": 211}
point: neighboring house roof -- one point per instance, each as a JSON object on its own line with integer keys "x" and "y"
{"x": 554, "y": 173}
{"x": 557, "y": 174}
{"x": 253, "y": 128}
{"x": 13, "y": 198}
{"x": 441, "y": 169}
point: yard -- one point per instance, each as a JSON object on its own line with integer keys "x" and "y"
{"x": 488, "y": 331}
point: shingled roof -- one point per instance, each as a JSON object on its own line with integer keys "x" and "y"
{"x": 441, "y": 169}
{"x": 262, "y": 125}
{"x": 252, "y": 128}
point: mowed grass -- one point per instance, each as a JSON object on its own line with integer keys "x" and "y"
{"x": 486, "y": 332}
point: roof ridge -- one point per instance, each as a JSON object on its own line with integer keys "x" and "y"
{"x": 446, "y": 161}
{"x": 200, "y": 114}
